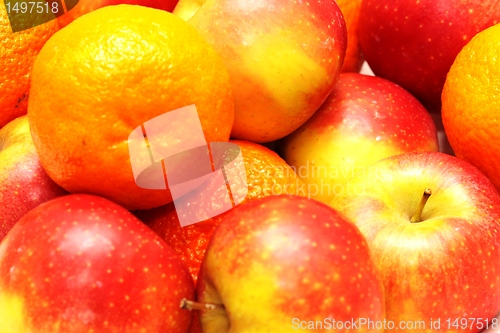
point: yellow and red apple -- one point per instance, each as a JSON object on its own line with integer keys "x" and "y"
{"x": 438, "y": 251}
{"x": 280, "y": 263}
{"x": 365, "y": 119}
{"x": 350, "y": 10}
{"x": 283, "y": 58}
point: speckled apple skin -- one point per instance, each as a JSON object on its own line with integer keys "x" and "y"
{"x": 81, "y": 263}
{"x": 365, "y": 119}
{"x": 283, "y": 257}
{"x": 414, "y": 42}
{"x": 283, "y": 57}
{"x": 448, "y": 265}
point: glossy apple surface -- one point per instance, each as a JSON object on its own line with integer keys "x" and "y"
{"x": 81, "y": 263}
{"x": 280, "y": 262}
{"x": 350, "y": 10}
{"x": 413, "y": 43}
{"x": 283, "y": 58}
{"x": 24, "y": 184}
{"x": 365, "y": 119}
{"x": 445, "y": 266}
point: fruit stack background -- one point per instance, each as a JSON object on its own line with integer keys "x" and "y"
{"x": 366, "y": 135}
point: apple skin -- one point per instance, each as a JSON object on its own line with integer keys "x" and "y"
{"x": 414, "y": 43}
{"x": 354, "y": 58}
{"x": 283, "y": 58}
{"x": 86, "y": 6}
{"x": 82, "y": 263}
{"x": 24, "y": 184}
{"x": 283, "y": 257}
{"x": 445, "y": 266}
{"x": 365, "y": 119}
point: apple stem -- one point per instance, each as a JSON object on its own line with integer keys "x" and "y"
{"x": 190, "y": 305}
{"x": 417, "y": 217}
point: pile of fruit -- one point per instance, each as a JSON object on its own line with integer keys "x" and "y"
{"x": 335, "y": 209}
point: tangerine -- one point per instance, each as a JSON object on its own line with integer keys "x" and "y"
{"x": 354, "y": 57}
{"x": 471, "y": 103}
{"x": 106, "y": 74}
{"x": 18, "y": 51}
{"x": 86, "y": 6}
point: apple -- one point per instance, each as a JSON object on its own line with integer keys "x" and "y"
{"x": 414, "y": 43}
{"x": 283, "y": 58}
{"x": 81, "y": 263}
{"x": 432, "y": 222}
{"x": 24, "y": 184}
{"x": 82, "y": 7}
{"x": 282, "y": 263}
{"x": 365, "y": 119}
{"x": 349, "y": 8}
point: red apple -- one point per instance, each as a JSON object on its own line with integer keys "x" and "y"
{"x": 81, "y": 263}
{"x": 24, "y": 184}
{"x": 413, "y": 43}
{"x": 82, "y": 7}
{"x": 283, "y": 58}
{"x": 350, "y": 10}
{"x": 440, "y": 258}
{"x": 365, "y": 119}
{"x": 281, "y": 263}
